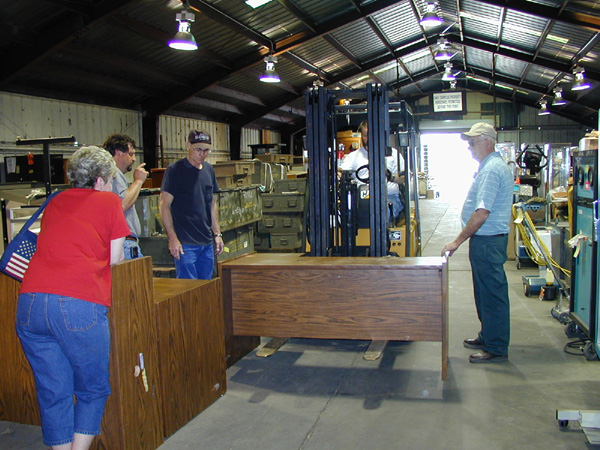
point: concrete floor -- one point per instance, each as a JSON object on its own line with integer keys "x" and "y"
{"x": 321, "y": 394}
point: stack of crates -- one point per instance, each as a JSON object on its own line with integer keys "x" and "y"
{"x": 233, "y": 174}
{"x": 282, "y": 224}
{"x": 239, "y": 211}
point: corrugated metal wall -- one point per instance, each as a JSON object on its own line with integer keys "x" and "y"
{"x": 35, "y": 117}
{"x": 173, "y": 131}
{"x": 250, "y": 137}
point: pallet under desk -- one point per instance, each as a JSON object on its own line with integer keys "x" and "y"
{"x": 385, "y": 298}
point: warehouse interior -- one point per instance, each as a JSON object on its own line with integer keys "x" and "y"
{"x": 81, "y": 70}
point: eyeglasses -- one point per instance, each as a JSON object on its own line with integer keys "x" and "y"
{"x": 201, "y": 150}
{"x": 472, "y": 142}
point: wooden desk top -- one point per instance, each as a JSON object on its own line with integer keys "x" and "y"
{"x": 165, "y": 288}
{"x": 287, "y": 260}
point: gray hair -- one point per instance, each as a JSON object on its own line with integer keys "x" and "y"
{"x": 89, "y": 163}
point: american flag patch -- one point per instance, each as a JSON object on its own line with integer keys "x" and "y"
{"x": 19, "y": 260}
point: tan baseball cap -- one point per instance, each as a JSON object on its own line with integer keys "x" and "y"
{"x": 480, "y": 129}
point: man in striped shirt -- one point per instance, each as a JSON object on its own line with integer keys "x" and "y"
{"x": 485, "y": 220}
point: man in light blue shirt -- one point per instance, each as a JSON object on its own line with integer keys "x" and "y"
{"x": 485, "y": 220}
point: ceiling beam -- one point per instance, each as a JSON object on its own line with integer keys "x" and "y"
{"x": 232, "y": 93}
{"x": 304, "y": 64}
{"x": 299, "y": 14}
{"x": 219, "y": 16}
{"x": 213, "y": 104}
{"x": 21, "y": 57}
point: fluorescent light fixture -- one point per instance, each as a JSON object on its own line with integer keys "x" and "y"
{"x": 448, "y": 75}
{"x": 430, "y": 18}
{"x": 580, "y": 82}
{"x": 256, "y": 3}
{"x": 558, "y": 98}
{"x": 543, "y": 108}
{"x": 270, "y": 75}
{"x": 184, "y": 39}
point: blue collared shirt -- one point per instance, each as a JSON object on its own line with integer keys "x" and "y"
{"x": 492, "y": 190}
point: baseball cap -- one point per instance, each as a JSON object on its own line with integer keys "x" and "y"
{"x": 199, "y": 137}
{"x": 480, "y": 129}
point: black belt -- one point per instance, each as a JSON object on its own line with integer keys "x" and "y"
{"x": 491, "y": 235}
{"x": 131, "y": 238}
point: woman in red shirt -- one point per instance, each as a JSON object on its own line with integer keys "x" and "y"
{"x": 64, "y": 299}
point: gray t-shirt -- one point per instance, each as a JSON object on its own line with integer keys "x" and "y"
{"x": 120, "y": 185}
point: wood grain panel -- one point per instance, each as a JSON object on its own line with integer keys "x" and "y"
{"x": 18, "y": 401}
{"x": 191, "y": 347}
{"x": 236, "y": 347}
{"x": 133, "y": 416}
{"x": 339, "y": 304}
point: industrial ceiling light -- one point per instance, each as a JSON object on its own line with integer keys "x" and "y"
{"x": 580, "y": 82}
{"x": 444, "y": 52}
{"x": 430, "y": 18}
{"x": 270, "y": 75}
{"x": 184, "y": 39}
{"x": 558, "y": 98}
{"x": 543, "y": 108}
{"x": 256, "y": 3}
{"x": 448, "y": 75}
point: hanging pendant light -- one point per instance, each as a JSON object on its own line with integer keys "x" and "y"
{"x": 444, "y": 52}
{"x": 270, "y": 75}
{"x": 184, "y": 39}
{"x": 448, "y": 75}
{"x": 558, "y": 97}
{"x": 580, "y": 82}
{"x": 430, "y": 18}
{"x": 543, "y": 108}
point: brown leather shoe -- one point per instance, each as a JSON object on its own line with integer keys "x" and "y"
{"x": 473, "y": 343}
{"x": 486, "y": 357}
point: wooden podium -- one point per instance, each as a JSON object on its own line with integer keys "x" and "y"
{"x": 140, "y": 412}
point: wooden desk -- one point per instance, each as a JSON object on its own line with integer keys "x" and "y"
{"x": 191, "y": 347}
{"x": 291, "y": 295}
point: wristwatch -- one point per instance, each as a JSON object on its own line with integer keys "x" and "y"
{"x": 219, "y": 235}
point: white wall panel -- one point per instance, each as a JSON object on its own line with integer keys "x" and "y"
{"x": 36, "y": 117}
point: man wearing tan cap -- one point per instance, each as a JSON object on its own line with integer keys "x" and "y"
{"x": 485, "y": 220}
{"x": 189, "y": 210}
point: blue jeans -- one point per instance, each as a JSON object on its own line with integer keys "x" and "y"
{"x": 196, "y": 263}
{"x": 67, "y": 344}
{"x": 131, "y": 249}
{"x": 487, "y": 255}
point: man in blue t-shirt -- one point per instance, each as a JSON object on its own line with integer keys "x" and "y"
{"x": 485, "y": 220}
{"x": 189, "y": 211}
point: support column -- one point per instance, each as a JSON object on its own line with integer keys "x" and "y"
{"x": 150, "y": 140}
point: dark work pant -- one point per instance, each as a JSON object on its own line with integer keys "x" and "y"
{"x": 487, "y": 255}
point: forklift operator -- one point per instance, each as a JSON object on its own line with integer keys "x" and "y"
{"x": 360, "y": 157}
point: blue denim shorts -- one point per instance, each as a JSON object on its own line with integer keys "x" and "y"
{"x": 67, "y": 343}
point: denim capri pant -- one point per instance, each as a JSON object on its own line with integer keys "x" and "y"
{"x": 67, "y": 343}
